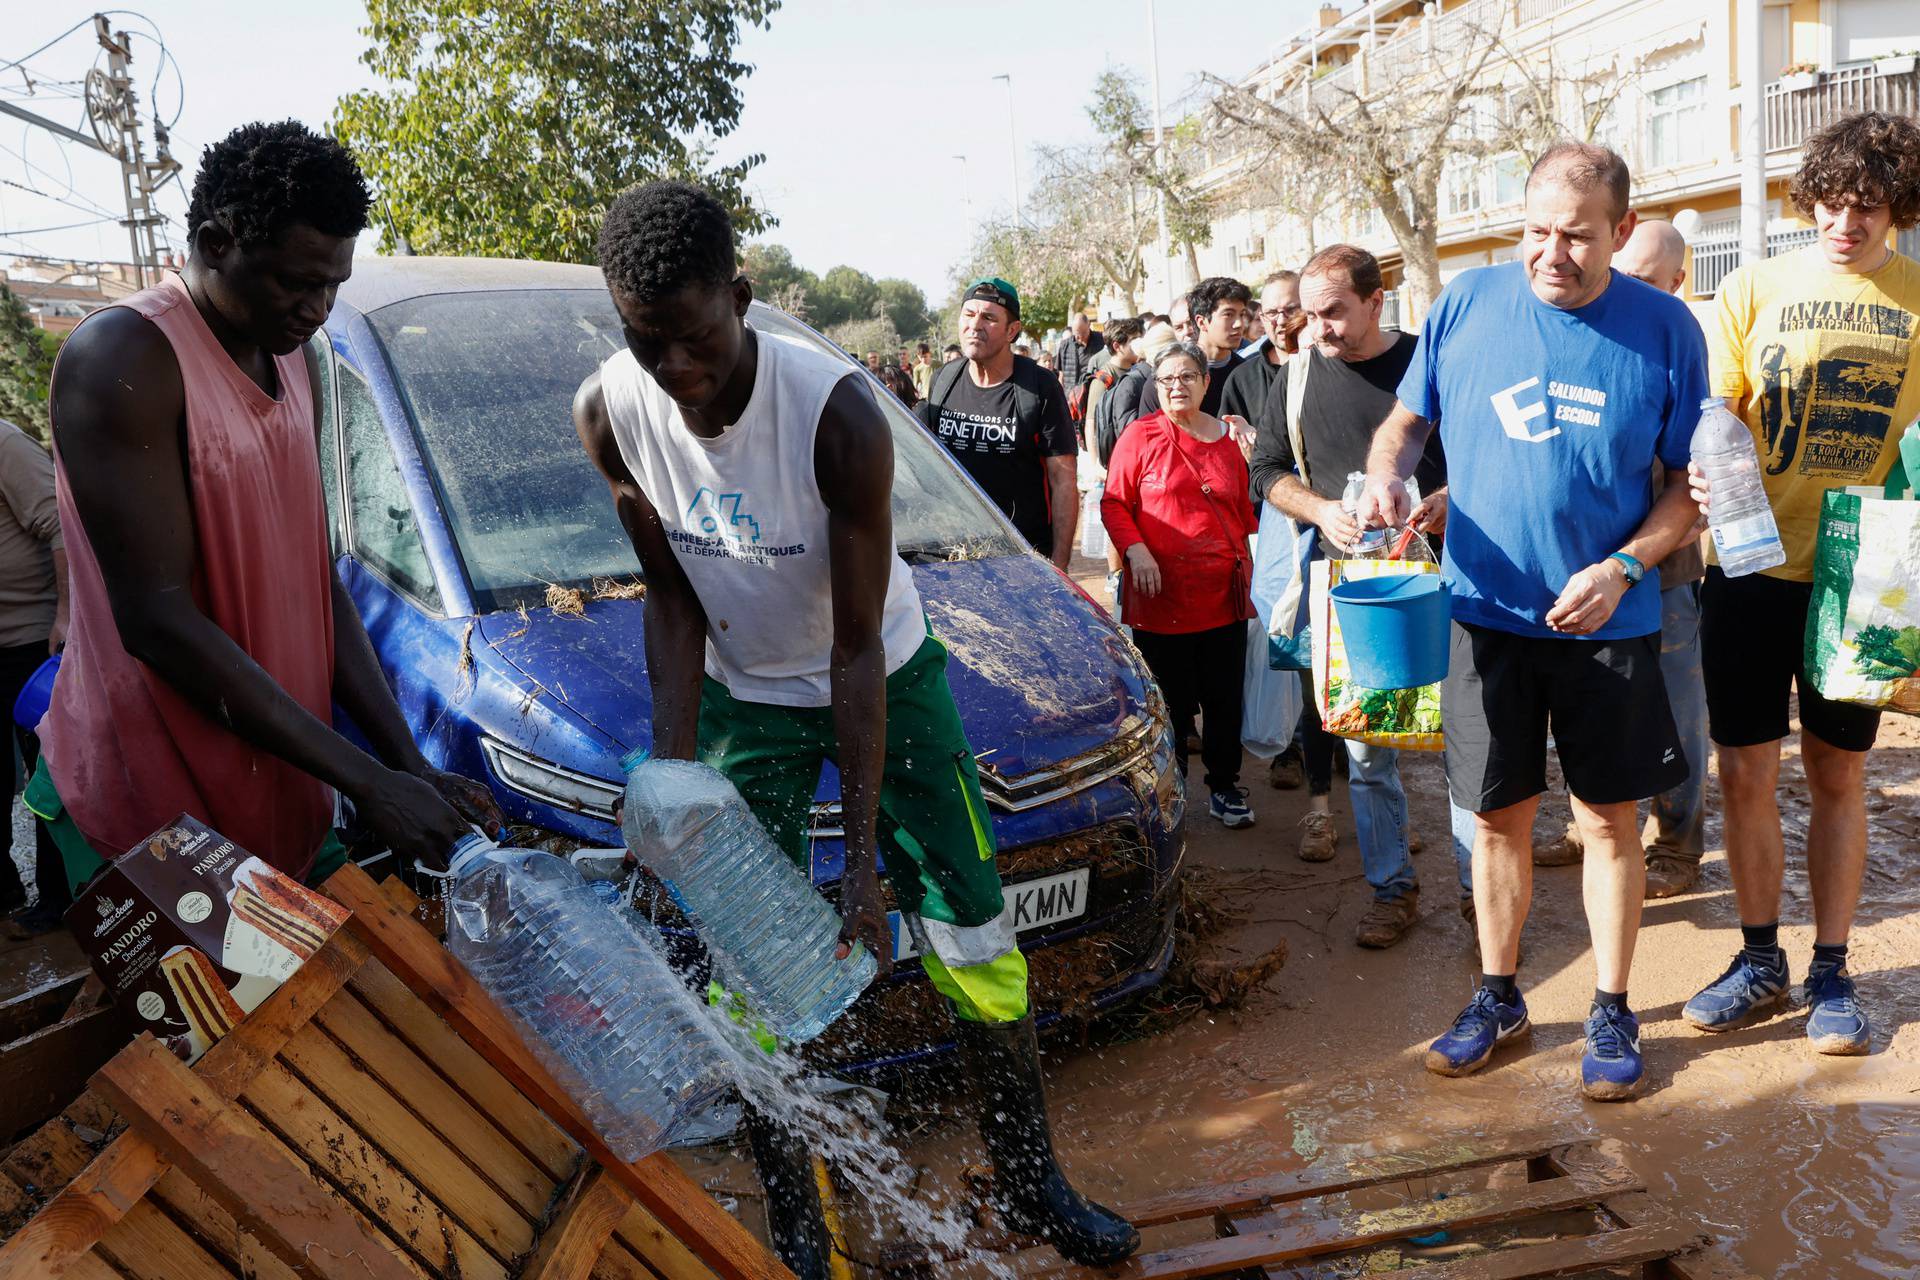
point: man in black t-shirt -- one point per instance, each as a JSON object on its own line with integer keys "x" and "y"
{"x": 1353, "y": 369}
{"x": 1004, "y": 419}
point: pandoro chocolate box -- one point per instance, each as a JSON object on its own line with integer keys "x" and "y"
{"x": 190, "y": 932}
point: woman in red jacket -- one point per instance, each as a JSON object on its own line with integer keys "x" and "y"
{"x": 1178, "y": 511}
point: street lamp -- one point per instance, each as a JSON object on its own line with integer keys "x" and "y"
{"x": 1013, "y": 141}
{"x": 966, "y": 189}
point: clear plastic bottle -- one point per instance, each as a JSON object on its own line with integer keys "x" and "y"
{"x": 1745, "y": 537}
{"x": 1369, "y": 539}
{"x": 770, "y": 932}
{"x": 592, "y": 992}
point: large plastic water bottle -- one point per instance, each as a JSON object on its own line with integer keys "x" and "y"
{"x": 1745, "y": 537}
{"x": 592, "y": 991}
{"x": 771, "y": 934}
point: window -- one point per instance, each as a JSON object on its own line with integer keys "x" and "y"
{"x": 1509, "y": 179}
{"x": 320, "y": 363}
{"x": 1676, "y": 124}
{"x": 385, "y": 535}
{"x": 1460, "y": 187}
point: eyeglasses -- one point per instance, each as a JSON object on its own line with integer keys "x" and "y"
{"x": 1282, "y": 312}
{"x": 1180, "y": 380}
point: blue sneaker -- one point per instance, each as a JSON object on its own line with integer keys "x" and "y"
{"x": 1746, "y": 993}
{"x": 1611, "y": 1069}
{"x": 1470, "y": 1041}
{"x": 1836, "y": 1023}
{"x": 1229, "y": 808}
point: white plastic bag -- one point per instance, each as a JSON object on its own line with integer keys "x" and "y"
{"x": 1272, "y": 709}
{"x": 1093, "y": 533}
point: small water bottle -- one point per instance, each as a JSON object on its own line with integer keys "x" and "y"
{"x": 1745, "y": 537}
{"x": 591, "y": 991}
{"x": 760, "y": 917}
{"x": 1369, "y": 539}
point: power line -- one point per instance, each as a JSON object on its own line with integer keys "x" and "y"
{"x": 65, "y": 226}
{"x": 5, "y": 66}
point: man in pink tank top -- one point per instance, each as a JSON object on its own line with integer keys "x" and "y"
{"x": 210, "y": 636}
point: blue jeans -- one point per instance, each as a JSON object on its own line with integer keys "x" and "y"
{"x": 1678, "y": 816}
{"x": 1380, "y": 819}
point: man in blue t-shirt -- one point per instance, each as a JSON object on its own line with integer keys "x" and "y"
{"x": 1556, "y": 384}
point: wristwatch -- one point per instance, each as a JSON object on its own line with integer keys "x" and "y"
{"x": 1635, "y": 570}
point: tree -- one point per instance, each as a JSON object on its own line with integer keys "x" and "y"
{"x": 1393, "y": 123}
{"x": 26, "y": 366}
{"x": 779, "y": 281}
{"x": 902, "y": 303}
{"x": 512, "y": 123}
{"x": 875, "y": 333}
{"x": 1096, "y": 208}
{"x": 1050, "y": 288}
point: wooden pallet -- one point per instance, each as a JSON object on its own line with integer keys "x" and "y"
{"x": 1283, "y": 1228}
{"x": 376, "y": 1118}
{"x": 56, "y": 1029}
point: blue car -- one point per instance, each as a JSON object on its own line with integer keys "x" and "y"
{"x": 503, "y": 598}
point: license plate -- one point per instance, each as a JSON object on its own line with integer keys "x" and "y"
{"x": 1031, "y": 903}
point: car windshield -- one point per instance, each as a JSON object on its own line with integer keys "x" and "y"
{"x": 489, "y": 378}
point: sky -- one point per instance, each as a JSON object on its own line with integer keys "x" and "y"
{"x": 859, "y": 107}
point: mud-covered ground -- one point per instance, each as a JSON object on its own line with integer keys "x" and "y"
{"x": 1807, "y": 1168}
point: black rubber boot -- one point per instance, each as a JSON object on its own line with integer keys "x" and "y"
{"x": 1003, "y": 1062}
{"x": 794, "y": 1219}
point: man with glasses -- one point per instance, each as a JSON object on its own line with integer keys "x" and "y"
{"x": 1246, "y": 390}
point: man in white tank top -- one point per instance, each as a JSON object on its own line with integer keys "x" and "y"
{"x": 754, "y": 476}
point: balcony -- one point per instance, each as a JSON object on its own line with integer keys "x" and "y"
{"x": 1795, "y": 114}
{"x": 1714, "y": 257}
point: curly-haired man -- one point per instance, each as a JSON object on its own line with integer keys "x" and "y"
{"x": 210, "y": 637}
{"x": 1817, "y": 349}
{"x": 789, "y": 632}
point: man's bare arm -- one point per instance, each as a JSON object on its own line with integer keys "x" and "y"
{"x": 1397, "y": 445}
{"x": 676, "y": 623}
{"x": 853, "y": 463}
{"x": 118, "y": 410}
{"x": 1064, "y": 499}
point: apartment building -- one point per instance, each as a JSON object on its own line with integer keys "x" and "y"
{"x": 1657, "y": 79}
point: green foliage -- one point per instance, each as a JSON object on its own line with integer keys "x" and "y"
{"x": 1050, "y": 284}
{"x": 26, "y": 365}
{"x": 1887, "y": 653}
{"x": 875, "y": 333}
{"x": 511, "y": 124}
{"x": 844, "y": 296}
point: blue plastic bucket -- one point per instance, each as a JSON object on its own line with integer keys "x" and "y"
{"x": 1394, "y": 629}
{"x": 36, "y": 695}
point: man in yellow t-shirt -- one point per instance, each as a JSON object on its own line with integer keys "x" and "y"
{"x": 1819, "y": 350}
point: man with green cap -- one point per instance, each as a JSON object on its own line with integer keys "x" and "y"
{"x": 1004, "y": 419}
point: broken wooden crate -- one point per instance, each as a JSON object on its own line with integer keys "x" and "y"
{"x": 56, "y": 1028}
{"x": 1310, "y": 1225}
{"x": 376, "y": 1118}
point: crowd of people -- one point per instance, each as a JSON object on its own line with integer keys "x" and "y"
{"x": 1543, "y": 415}
{"x": 176, "y": 544}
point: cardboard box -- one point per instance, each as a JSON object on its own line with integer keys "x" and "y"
{"x": 190, "y": 932}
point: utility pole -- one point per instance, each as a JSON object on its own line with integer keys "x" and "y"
{"x": 1753, "y": 134}
{"x": 113, "y": 112}
{"x": 1013, "y": 141}
{"x": 1165, "y": 246}
{"x": 113, "y": 109}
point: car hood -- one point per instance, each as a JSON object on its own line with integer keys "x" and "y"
{"x": 1041, "y": 675}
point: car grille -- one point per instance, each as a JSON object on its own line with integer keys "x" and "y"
{"x": 1017, "y": 793}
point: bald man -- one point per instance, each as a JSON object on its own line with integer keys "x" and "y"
{"x": 1674, "y": 836}
{"x": 1655, "y": 254}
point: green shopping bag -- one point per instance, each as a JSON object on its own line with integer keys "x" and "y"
{"x": 1863, "y": 628}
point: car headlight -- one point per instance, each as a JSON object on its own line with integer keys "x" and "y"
{"x": 549, "y": 783}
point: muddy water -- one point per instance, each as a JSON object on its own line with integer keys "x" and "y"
{"x": 1805, "y": 1168}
